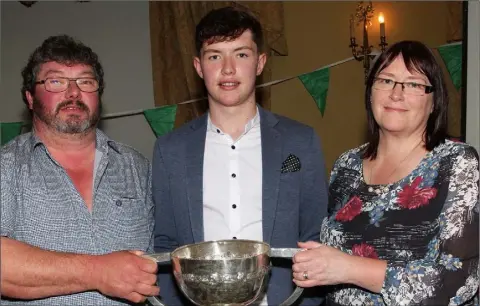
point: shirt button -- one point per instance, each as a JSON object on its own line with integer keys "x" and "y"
{"x": 234, "y": 175}
{"x": 234, "y": 237}
{"x": 234, "y": 206}
{"x": 233, "y": 147}
{"x": 118, "y": 203}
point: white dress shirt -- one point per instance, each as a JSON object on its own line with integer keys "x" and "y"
{"x": 232, "y": 185}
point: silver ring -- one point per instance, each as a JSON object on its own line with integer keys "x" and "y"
{"x": 305, "y": 275}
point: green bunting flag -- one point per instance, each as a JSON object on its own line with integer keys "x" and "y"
{"x": 10, "y": 130}
{"x": 161, "y": 119}
{"x": 316, "y": 84}
{"x": 452, "y": 56}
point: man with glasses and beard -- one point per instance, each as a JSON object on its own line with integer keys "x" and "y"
{"x": 76, "y": 208}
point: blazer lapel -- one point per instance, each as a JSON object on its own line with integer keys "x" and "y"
{"x": 194, "y": 171}
{"x": 271, "y": 164}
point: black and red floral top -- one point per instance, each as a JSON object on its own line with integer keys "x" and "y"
{"x": 426, "y": 226}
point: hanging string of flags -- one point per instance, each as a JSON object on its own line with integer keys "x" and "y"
{"x": 452, "y": 56}
{"x": 161, "y": 119}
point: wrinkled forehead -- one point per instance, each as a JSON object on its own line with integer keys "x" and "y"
{"x": 53, "y": 67}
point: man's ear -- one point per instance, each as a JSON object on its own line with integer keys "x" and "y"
{"x": 262, "y": 59}
{"x": 29, "y": 97}
{"x": 198, "y": 66}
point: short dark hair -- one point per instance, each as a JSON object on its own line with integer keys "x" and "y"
{"x": 417, "y": 57}
{"x": 61, "y": 49}
{"x": 225, "y": 24}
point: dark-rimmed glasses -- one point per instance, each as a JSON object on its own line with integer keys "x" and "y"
{"x": 409, "y": 88}
{"x": 62, "y": 84}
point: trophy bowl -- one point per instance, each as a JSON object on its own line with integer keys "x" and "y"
{"x": 223, "y": 272}
{"x": 220, "y": 272}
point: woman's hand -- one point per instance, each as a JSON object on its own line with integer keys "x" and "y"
{"x": 320, "y": 265}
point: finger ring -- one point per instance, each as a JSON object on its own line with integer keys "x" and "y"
{"x": 305, "y": 275}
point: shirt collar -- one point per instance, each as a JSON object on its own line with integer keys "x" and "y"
{"x": 255, "y": 121}
{"x": 103, "y": 142}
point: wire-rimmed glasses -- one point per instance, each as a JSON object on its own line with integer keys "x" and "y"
{"x": 61, "y": 84}
{"x": 409, "y": 88}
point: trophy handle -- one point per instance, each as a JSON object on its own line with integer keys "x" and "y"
{"x": 292, "y": 298}
{"x": 159, "y": 258}
{"x": 154, "y": 301}
{"x": 284, "y": 252}
{"x": 287, "y": 253}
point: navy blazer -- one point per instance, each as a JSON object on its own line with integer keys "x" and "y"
{"x": 294, "y": 203}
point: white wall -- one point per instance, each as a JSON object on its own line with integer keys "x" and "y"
{"x": 473, "y": 75}
{"x": 117, "y": 31}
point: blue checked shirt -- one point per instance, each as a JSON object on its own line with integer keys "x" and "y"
{"x": 41, "y": 207}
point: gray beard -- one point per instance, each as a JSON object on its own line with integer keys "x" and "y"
{"x": 73, "y": 124}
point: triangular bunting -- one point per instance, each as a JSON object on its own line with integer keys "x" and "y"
{"x": 10, "y": 130}
{"x": 316, "y": 84}
{"x": 452, "y": 56}
{"x": 161, "y": 119}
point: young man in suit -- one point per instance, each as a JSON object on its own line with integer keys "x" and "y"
{"x": 239, "y": 171}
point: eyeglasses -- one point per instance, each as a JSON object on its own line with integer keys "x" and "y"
{"x": 62, "y": 84}
{"x": 409, "y": 88}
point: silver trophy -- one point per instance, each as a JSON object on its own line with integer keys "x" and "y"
{"x": 224, "y": 272}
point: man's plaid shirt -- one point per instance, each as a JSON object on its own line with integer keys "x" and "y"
{"x": 41, "y": 207}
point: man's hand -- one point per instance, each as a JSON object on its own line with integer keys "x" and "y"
{"x": 125, "y": 274}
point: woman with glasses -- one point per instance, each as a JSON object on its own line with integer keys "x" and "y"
{"x": 403, "y": 225}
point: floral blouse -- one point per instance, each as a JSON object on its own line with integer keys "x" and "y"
{"x": 426, "y": 226}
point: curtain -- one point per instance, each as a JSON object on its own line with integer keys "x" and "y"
{"x": 454, "y": 33}
{"x": 454, "y": 21}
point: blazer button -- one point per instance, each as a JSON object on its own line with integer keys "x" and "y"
{"x": 118, "y": 203}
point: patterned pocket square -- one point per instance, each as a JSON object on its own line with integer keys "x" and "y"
{"x": 291, "y": 164}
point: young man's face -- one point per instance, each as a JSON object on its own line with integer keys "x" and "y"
{"x": 70, "y": 111}
{"x": 229, "y": 70}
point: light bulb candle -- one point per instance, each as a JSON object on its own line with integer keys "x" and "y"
{"x": 381, "y": 20}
